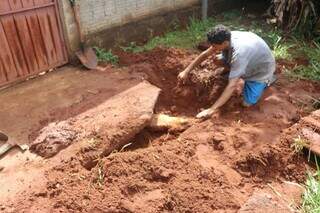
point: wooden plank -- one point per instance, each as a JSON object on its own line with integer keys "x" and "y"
{"x": 6, "y": 57}
{"x": 41, "y": 2}
{"x": 36, "y": 37}
{"x": 61, "y": 34}
{"x": 46, "y": 33}
{"x": 55, "y": 33}
{"x": 10, "y": 30}
{"x": 25, "y": 37}
{"x": 3, "y": 77}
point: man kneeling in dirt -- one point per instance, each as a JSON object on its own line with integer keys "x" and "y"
{"x": 248, "y": 57}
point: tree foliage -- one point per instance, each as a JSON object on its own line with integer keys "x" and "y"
{"x": 298, "y": 15}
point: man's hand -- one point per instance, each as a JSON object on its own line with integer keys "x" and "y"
{"x": 183, "y": 77}
{"x": 218, "y": 60}
{"x": 205, "y": 114}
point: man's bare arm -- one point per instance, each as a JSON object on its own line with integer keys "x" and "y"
{"x": 183, "y": 76}
{"x": 204, "y": 55}
{"x": 225, "y": 96}
{"x": 227, "y": 93}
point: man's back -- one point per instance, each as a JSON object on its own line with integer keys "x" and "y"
{"x": 249, "y": 53}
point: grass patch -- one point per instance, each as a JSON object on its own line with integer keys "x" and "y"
{"x": 188, "y": 39}
{"x": 106, "y": 56}
{"x": 312, "y": 71}
{"x": 281, "y": 49}
{"x": 311, "y": 196}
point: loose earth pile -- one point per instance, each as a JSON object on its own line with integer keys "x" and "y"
{"x": 213, "y": 166}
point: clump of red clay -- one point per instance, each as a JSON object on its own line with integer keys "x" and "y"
{"x": 213, "y": 166}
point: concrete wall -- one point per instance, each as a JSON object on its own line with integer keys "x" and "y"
{"x": 97, "y": 15}
{"x": 100, "y": 15}
{"x": 109, "y": 22}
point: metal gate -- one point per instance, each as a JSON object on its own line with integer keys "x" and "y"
{"x": 31, "y": 39}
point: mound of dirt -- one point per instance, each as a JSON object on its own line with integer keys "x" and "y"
{"x": 175, "y": 176}
{"x": 306, "y": 133}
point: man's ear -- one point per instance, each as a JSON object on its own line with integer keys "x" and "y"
{"x": 226, "y": 44}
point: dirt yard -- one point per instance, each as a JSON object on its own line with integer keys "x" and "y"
{"x": 241, "y": 160}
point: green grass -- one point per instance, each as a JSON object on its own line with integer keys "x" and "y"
{"x": 312, "y": 71}
{"x": 106, "y": 56}
{"x": 311, "y": 196}
{"x": 189, "y": 38}
{"x": 196, "y": 32}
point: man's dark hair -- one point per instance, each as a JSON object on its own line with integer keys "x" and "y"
{"x": 219, "y": 34}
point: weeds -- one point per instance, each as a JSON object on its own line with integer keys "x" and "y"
{"x": 106, "y": 56}
{"x": 312, "y": 71}
{"x": 311, "y": 196}
{"x": 281, "y": 50}
{"x": 133, "y": 48}
{"x": 188, "y": 38}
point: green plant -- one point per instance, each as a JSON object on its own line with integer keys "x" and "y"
{"x": 132, "y": 47}
{"x": 106, "y": 56}
{"x": 312, "y": 71}
{"x": 281, "y": 49}
{"x": 311, "y": 196}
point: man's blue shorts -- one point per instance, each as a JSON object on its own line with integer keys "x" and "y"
{"x": 253, "y": 91}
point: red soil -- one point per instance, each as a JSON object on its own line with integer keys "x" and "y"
{"x": 214, "y": 166}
